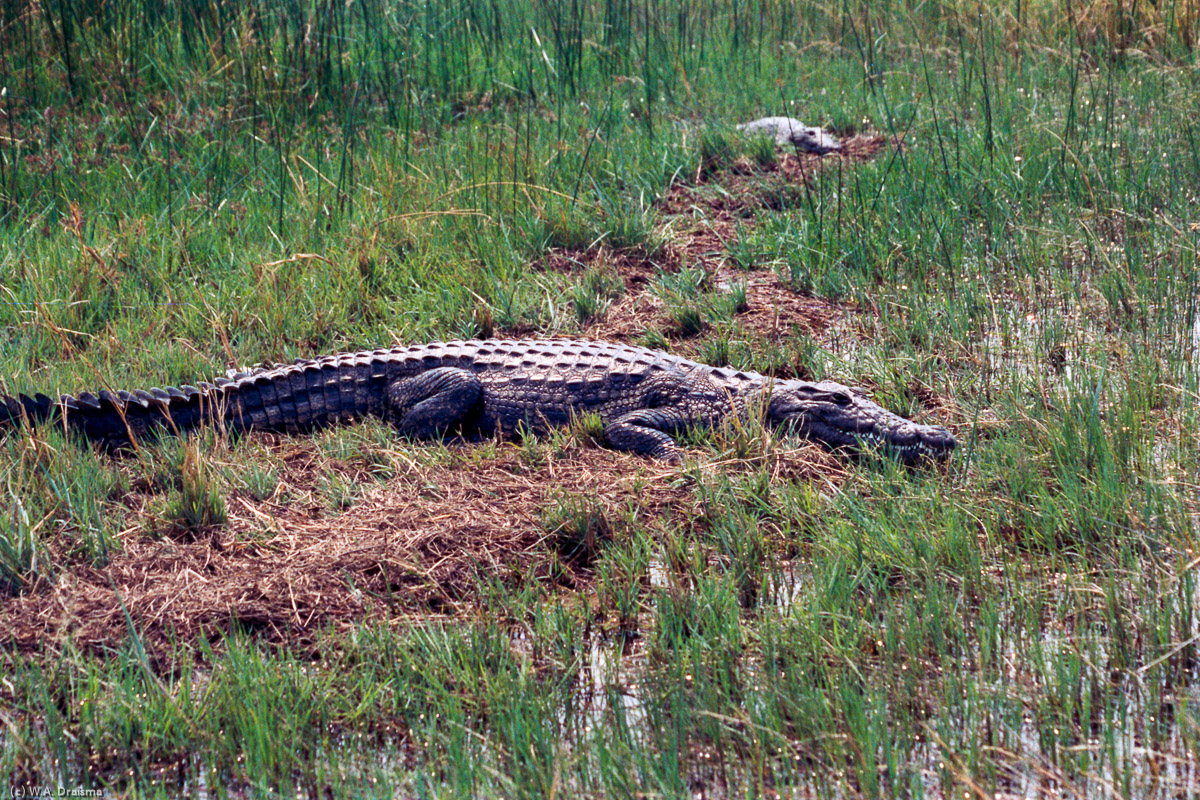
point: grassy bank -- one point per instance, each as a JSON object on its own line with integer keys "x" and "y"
{"x": 1008, "y": 248}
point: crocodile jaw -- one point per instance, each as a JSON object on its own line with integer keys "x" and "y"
{"x": 840, "y": 417}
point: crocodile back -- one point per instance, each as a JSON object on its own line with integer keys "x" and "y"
{"x": 538, "y": 380}
{"x": 542, "y": 384}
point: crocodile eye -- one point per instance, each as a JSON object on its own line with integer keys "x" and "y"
{"x": 840, "y": 398}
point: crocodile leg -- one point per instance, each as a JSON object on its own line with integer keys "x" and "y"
{"x": 647, "y": 433}
{"x": 429, "y": 404}
{"x": 672, "y": 401}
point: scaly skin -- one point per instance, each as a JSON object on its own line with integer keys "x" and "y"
{"x": 643, "y": 397}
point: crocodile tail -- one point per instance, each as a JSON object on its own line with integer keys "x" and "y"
{"x": 306, "y": 394}
{"x": 16, "y": 411}
{"x": 298, "y": 396}
{"x": 115, "y": 419}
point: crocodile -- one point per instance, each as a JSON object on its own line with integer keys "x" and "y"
{"x": 791, "y": 131}
{"x": 642, "y": 397}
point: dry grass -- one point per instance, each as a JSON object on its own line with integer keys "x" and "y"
{"x": 421, "y": 544}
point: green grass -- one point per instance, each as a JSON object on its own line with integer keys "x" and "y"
{"x": 593, "y": 294}
{"x": 195, "y": 186}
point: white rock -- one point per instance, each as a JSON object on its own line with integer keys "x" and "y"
{"x": 789, "y": 131}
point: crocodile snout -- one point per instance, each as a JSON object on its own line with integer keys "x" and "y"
{"x": 840, "y": 417}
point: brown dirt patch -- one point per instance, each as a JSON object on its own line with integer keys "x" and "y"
{"x": 777, "y": 312}
{"x": 716, "y": 203}
{"x": 635, "y": 268}
{"x": 855, "y": 149}
{"x": 702, "y": 219}
{"x": 417, "y": 545}
{"x": 741, "y": 187}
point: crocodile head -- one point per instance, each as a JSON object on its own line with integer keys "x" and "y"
{"x": 838, "y": 417}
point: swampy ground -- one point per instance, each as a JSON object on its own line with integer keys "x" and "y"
{"x": 1007, "y": 246}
